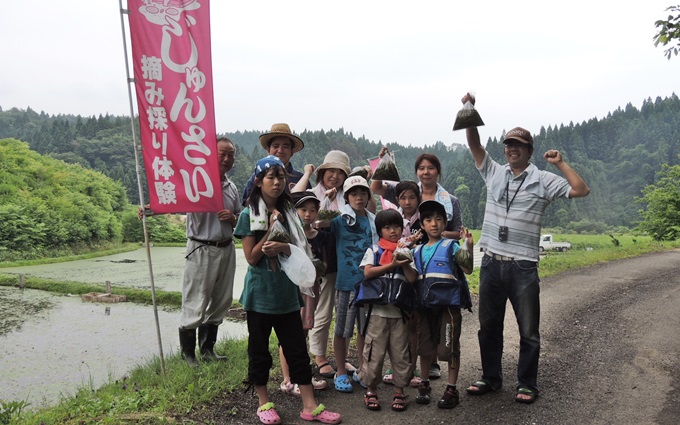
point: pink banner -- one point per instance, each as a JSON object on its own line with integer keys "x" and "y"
{"x": 173, "y": 80}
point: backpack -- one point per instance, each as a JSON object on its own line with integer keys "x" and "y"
{"x": 442, "y": 282}
{"x": 385, "y": 290}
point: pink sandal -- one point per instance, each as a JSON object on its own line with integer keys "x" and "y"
{"x": 322, "y": 415}
{"x": 267, "y": 414}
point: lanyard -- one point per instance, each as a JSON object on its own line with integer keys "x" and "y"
{"x": 508, "y": 201}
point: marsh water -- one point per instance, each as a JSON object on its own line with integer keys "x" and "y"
{"x": 51, "y": 345}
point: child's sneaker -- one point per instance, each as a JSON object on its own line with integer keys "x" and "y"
{"x": 435, "y": 371}
{"x": 424, "y": 391}
{"x": 450, "y": 399}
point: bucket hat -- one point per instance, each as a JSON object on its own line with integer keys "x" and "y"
{"x": 335, "y": 159}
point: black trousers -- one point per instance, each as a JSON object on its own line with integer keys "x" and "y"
{"x": 288, "y": 328}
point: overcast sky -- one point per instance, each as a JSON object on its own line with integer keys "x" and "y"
{"x": 389, "y": 70}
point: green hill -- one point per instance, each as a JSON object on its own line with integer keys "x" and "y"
{"x": 47, "y": 204}
{"x": 617, "y": 156}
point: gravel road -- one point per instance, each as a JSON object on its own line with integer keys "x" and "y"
{"x": 611, "y": 355}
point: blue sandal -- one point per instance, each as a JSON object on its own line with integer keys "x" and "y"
{"x": 342, "y": 383}
{"x": 355, "y": 377}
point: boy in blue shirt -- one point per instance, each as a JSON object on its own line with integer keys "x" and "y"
{"x": 354, "y": 231}
{"x": 440, "y": 316}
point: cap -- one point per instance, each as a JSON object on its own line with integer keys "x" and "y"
{"x": 300, "y": 198}
{"x": 355, "y": 181}
{"x": 519, "y": 134}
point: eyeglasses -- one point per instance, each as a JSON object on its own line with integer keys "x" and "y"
{"x": 513, "y": 144}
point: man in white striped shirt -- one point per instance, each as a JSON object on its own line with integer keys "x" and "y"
{"x": 517, "y": 196}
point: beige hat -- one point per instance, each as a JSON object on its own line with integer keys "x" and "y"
{"x": 281, "y": 129}
{"x": 355, "y": 181}
{"x": 335, "y": 159}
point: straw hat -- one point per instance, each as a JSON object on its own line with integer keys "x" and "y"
{"x": 281, "y": 129}
{"x": 335, "y": 159}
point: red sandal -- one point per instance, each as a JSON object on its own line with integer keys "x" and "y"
{"x": 399, "y": 403}
{"x": 371, "y": 401}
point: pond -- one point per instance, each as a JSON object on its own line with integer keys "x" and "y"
{"x": 51, "y": 345}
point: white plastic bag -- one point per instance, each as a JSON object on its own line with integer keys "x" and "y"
{"x": 299, "y": 269}
{"x": 464, "y": 256}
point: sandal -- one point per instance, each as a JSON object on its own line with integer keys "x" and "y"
{"x": 319, "y": 384}
{"x": 326, "y": 374}
{"x": 387, "y": 377}
{"x": 450, "y": 398}
{"x": 322, "y": 415}
{"x": 349, "y": 368}
{"x": 316, "y": 384}
{"x": 399, "y": 403}
{"x": 355, "y": 377}
{"x": 416, "y": 380}
{"x": 479, "y": 388}
{"x": 267, "y": 414}
{"x": 287, "y": 387}
{"x": 533, "y": 395}
{"x": 371, "y": 401}
{"x": 342, "y": 384}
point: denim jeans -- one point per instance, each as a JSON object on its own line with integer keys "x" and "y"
{"x": 518, "y": 282}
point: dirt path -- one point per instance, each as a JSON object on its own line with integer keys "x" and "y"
{"x": 611, "y": 354}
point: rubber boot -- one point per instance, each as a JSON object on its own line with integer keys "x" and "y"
{"x": 207, "y": 336}
{"x": 187, "y": 341}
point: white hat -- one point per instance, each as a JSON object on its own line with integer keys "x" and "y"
{"x": 355, "y": 181}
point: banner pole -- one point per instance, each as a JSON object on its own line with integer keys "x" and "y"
{"x": 138, "y": 171}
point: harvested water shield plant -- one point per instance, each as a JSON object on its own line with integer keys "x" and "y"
{"x": 468, "y": 116}
{"x": 387, "y": 168}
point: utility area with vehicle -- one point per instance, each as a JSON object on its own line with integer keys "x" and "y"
{"x": 548, "y": 244}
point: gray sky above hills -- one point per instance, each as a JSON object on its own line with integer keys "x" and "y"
{"x": 389, "y": 70}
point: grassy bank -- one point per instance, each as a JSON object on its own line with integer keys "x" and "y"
{"x": 139, "y": 296}
{"x": 147, "y": 396}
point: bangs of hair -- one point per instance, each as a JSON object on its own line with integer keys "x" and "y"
{"x": 405, "y": 185}
{"x": 388, "y": 218}
{"x": 432, "y": 159}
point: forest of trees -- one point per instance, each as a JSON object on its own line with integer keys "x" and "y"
{"x": 618, "y": 156}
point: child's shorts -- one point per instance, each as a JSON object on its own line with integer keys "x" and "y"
{"x": 446, "y": 321}
{"x": 345, "y": 313}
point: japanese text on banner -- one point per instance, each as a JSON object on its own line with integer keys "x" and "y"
{"x": 173, "y": 82}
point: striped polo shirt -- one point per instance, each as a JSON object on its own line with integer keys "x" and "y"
{"x": 537, "y": 189}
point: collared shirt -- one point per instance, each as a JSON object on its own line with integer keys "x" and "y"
{"x": 535, "y": 190}
{"x": 207, "y": 226}
{"x": 293, "y": 177}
